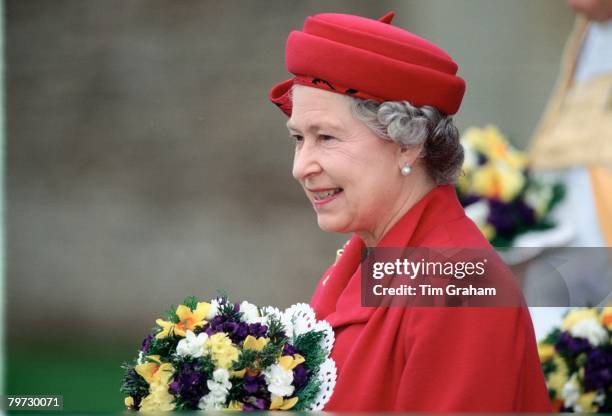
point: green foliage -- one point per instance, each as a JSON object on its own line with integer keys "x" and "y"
{"x": 191, "y": 302}
{"x": 558, "y": 192}
{"x": 133, "y": 384}
{"x": 163, "y": 347}
{"x": 236, "y": 391}
{"x": 276, "y": 331}
{"x": 552, "y": 337}
{"x": 307, "y": 394}
{"x": 581, "y": 360}
{"x": 246, "y": 360}
{"x": 171, "y": 315}
{"x": 309, "y": 345}
{"x": 270, "y": 353}
{"x": 227, "y": 311}
{"x": 549, "y": 367}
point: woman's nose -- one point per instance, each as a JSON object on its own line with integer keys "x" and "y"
{"x": 305, "y": 162}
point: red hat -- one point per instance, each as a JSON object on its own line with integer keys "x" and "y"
{"x": 369, "y": 59}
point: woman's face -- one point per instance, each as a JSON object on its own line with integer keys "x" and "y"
{"x": 350, "y": 175}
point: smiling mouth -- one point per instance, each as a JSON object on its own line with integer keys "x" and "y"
{"x": 322, "y": 195}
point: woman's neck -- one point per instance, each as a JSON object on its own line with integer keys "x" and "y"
{"x": 413, "y": 193}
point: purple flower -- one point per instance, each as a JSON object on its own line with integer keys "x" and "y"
{"x": 258, "y": 330}
{"x": 146, "y": 343}
{"x": 237, "y": 331}
{"x": 509, "y": 218}
{"x": 568, "y": 345}
{"x": 254, "y": 404}
{"x": 469, "y": 199}
{"x": 300, "y": 376}
{"x": 134, "y": 377}
{"x": 254, "y": 384}
{"x": 189, "y": 385}
{"x": 289, "y": 349}
{"x": 598, "y": 370}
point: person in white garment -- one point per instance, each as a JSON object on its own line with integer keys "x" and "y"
{"x": 583, "y": 206}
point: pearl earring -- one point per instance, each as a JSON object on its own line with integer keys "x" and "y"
{"x": 406, "y": 169}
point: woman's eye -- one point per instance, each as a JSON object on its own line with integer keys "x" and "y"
{"x": 297, "y": 138}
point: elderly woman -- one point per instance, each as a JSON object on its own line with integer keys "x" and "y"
{"x": 376, "y": 152}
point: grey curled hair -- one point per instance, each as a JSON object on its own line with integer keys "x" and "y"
{"x": 407, "y": 125}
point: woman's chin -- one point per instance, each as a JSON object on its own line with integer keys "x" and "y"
{"x": 331, "y": 225}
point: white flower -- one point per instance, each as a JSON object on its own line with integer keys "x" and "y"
{"x": 219, "y": 387}
{"x": 209, "y": 402}
{"x": 538, "y": 198}
{"x": 267, "y": 312}
{"x": 141, "y": 357}
{"x": 192, "y": 345}
{"x": 571, "y": 393}
{"x": 478, "y": 212}
{"x": 250, "y": 313}
{"x": 590, "y": 329}
{"x": 287, "y": 322}
{"x": 600, "y": 398}
{"x": 470, "y": 158}
{"x": 213, "y": 311}
{"x": 221, "y": 376}
{"x": 279, "y": 380}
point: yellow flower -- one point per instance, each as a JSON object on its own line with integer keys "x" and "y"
{"x": 129, "y": 402}
{"x": 557, "y": 379}
{"x": 578, "y": 315}
{"x": 252, "y": 343}
{"x": 222, "y": 350}
{"x": 155, "y": 372}
{"x": 586, "y": 402}
{"x": 487, "y": 230}
{"x": 516, "y": 160}
{"x": 289, "y": 363}
{"x": 189, "y": 320}
{"x": 497, "y": 181}
{"x": 488, "y": 140}
{"x": 606, "y": 317}
{"x": 238, "y": 373}
{"x": 234, "y": 406}
{"x": 546, "y": 352}
{"x": 278, "y": 403}
{"x": 158, "y": 400}
{"x": 494, "y": 145}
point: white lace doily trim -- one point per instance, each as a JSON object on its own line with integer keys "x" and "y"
{"x": 298, "y": 319}
{"x": 328, "y": 335}
{"x": 327, "y": 377}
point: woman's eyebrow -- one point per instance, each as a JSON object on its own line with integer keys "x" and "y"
{"x": 315, "y": 127}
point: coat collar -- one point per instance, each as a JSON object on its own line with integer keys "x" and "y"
{"x": 339, "y": 301}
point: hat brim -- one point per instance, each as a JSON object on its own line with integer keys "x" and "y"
{"x": 280, "y": 95}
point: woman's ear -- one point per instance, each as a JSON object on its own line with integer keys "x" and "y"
{"x": 408, "y": 155}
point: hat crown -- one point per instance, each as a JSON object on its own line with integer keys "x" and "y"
{"x": 379, "y": 37}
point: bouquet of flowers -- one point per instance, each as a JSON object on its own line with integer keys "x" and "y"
{"x": 577, "y": 361}
{"x": 499, "y": 192}
{"x": 220, "y": 355}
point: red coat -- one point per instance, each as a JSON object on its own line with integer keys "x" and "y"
{"x": 427, "y": 359}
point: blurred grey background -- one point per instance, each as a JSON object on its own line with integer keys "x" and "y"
{"x": 144, "y": 162}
